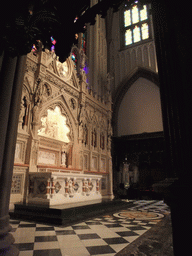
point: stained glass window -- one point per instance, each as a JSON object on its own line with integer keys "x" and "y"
{"x": 136, "y": 24}
{"x": 74, "y": 58}
{"x": 83, "y": 42}
{"x": 135, "y": 14}
{"x": 53, "y": 41}
{"x": 136, "y": 34}
{"x": 34, "y": 49}
{"x": 145, "y": 31}
{"x": 53, "y": 48}
{"x": 143, "y": 13}
{"x": 127, "y": 18}
{"x": 128, "y": 37}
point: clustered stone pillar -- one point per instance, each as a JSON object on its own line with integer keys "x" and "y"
{"x": 11, "y": 83}
{"x": 172, "y": 23}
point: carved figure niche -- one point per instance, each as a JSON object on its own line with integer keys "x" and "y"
{"x": 23, "y": 115}
{"x": 94, "y": 138}
{"x": 85, "y": 135}
{"x": 54, "y": 125}
{"x": 102, "y": 141}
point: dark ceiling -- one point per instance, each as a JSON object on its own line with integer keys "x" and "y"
{"x": 23, "y": 22}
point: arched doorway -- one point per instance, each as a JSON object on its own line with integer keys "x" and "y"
{"x": 138, "y": 130}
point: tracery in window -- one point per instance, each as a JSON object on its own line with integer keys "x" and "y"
{"x": 136, "y": 24}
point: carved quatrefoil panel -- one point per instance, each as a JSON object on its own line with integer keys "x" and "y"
{"x": 57, "y": 187}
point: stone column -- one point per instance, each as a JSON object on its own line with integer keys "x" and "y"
{"x": 11, "y": 80}
{"x": 172, "y": 23}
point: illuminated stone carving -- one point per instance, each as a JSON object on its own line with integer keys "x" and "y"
{"x": 71, "y": 187}
{"x": 62, "y": 68}
{"x": 87, "y": 186}
{"x": 54, "y": 125}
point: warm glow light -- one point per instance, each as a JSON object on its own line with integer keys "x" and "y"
{"x": 139, "y": 31}
{"x": 135, "y": 14}
{"x": 128, "y": 37}
{"x": 62, "y": 68}
{"x": 136, "y": 34}
{"x": 54, "y": 125}
{"x": 145, "y": 31}
{"x": 127, "y": 18}
{"x": 143, "y": 13}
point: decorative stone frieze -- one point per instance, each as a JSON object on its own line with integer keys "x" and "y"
{"x": 53, "y": 188}
{"x": 54, "y": 80}
{"x": 72, "y": 91}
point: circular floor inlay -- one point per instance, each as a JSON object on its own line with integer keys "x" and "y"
{"x": 138, "y": 215}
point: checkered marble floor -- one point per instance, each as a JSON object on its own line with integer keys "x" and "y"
{"x": 104, "y": 235}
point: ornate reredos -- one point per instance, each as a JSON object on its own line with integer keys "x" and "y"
{"x": 56, "y": 124}
{"x": 63, "y": 70}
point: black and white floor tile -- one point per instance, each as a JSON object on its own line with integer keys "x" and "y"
{"x": 105, "y": 235}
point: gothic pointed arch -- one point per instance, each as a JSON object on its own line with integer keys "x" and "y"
{"x": 27, "y": 85}
{"x": 56, "y": 123}
{"x": 124, "y": 87}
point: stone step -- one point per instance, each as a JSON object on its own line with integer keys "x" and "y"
{"x": 60, "y": 215}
